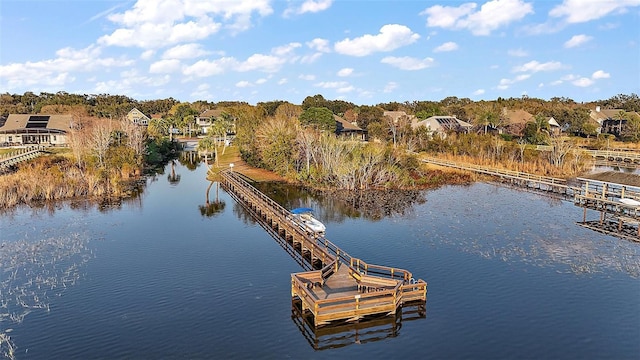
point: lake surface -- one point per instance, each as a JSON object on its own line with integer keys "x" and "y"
{"x": 511, "y": 276}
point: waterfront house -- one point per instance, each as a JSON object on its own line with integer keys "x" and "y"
{"x": 611, "y": 121}
{"x": 346, "y": 129}
{"x": 137, "y": 117}
{"x": 207, "y": 118}
{"x": 442, "y": 125}
{"x": 35, "y": 129}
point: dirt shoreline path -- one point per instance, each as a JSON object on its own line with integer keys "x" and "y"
{"x": 232, "y": 156}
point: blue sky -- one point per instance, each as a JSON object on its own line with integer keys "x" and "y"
{"x": 366, "y": 52}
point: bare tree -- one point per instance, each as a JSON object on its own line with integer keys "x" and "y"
{"x": 100, "y": 139}
{"x": 560, "y": 147}
{"x": 135, "y": 137}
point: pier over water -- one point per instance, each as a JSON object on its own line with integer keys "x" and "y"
{"x": 338, "y": 287}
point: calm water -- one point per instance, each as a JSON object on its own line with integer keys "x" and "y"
{"x": 511, "y": 276}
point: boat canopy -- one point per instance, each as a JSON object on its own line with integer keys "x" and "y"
{"x": 301, "y": 210}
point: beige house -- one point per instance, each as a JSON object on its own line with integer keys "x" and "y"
{"x": 441, "y": 125}
{"x": 137, "y": 117}
{"x": 206, "y": 119}
{"x": 396, "y": 115}
{"x": 30, "y": 129}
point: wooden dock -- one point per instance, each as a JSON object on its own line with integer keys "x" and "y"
{"x": 521, "y": 179}
{"x": 19, "y": 156}
{"x": 626, "y": 157}
{"x": 617, "y": 203}
{"x": 338, "y": 288}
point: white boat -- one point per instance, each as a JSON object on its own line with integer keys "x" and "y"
{"x": 304, "y": 217}
{"x": 630, "y": 202}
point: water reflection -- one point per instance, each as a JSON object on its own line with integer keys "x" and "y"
{"x": 361, "y": 332}
{"x": 173, "y": 178}
{"x": 214, "y": 208}
{"x": 190, "y": 160}
{"x": 497, "y": 223}
{"x": 492, "y": 208}
{"x": 338, "y": 206}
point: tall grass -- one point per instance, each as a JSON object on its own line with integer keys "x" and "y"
{"x": 57, "y": 178}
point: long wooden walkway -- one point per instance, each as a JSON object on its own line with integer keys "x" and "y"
{"x": 629, "y": 157}
{"x": 618, "y": 204}
{"x": 339, "y": 287}
{"x": 19, "y": 156}
{"x": 531, "y": 181}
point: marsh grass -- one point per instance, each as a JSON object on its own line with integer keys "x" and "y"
{"x": 57, "y": 177}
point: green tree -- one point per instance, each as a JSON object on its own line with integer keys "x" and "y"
{"x": 369, "y": 114}
{"x": 320, "y": 118}
{"x": 314, "y": 101}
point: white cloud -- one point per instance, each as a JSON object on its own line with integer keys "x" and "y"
{"x": 391, "y": 37}
{"x": 505, "y": 83}
{"x": 261, "y": 81}
{"x": 309, "y": 6}
{"x": 583, "y": 82}
{"x": 185, "y": 51}
{"x": 408, "y": 63}
{"x": 535, "y": 66}
{"x": 285, "y": 50}
{"x": 205, "y": 68}
{"x": 243, "y": 84}
{"x": 152, "y": 24}
{"x": 391, "y": 85}
{"x": 345, "y": 89}
{"x": 307, "y": 77}
{"x": 517, "y": 53}
{"x": 283, "y": 81}
{"x": 165, "y": 66}
{"x": 266, "y": 63}
{"x": 577, "y": 40}
{"x": 345, "y": 72}
{"x": 57, "y": 71}
{"x": 318, "y": 44}
{"x": 579, "y": 11}
{"x": 491, "y": 15}
{"x": 202, "y": 92}
{"x": 309, "y": 59}
{"x": 332, "y": 84}
{"x": 479, "y": 92}
{"x": 600, "y": 75}
{"x": 448, "y": 46}
{"x": 147, "y": 54}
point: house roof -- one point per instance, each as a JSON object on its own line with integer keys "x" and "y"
{"x": 553, "y": 122}
{"x": 395, "y": 115}
{"x": 135, "y": 110}
{"x": 211, "y": 113}
{"x": 518, "y": 116}
{"x": 37, "y": 121}
{"x": 346, "y": 126}
{"x": 604, "y": 114}
{"x": 442, "y": 123}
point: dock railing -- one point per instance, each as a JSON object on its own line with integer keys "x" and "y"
{"x": 392, "y": 287}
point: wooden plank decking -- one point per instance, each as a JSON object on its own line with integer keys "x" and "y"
{"x": 342, "y": 288}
